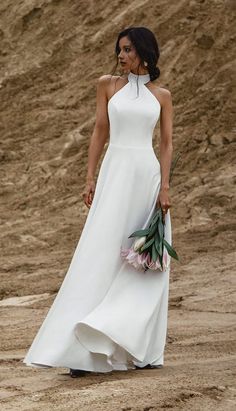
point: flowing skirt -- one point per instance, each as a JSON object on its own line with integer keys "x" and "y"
{"x": 107, "y": 315}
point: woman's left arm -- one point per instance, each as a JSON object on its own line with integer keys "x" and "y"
{"x": 166, "y": 149}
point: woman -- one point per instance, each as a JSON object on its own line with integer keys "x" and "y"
{"x": 107, "y": 315}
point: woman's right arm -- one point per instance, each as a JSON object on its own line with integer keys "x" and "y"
{"x": 98, "y": 139}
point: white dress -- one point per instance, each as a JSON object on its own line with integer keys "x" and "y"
{"x": 107, "y": 315}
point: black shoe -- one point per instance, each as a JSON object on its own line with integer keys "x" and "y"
{"x": 149, "y": 367}
{"x": 77, "y": 373}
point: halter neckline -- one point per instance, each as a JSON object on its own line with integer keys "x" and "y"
{"x": 139, "y": 78}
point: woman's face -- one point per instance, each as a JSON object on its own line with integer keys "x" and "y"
{"x": 128, "y": 58}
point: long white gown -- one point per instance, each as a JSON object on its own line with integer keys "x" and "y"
{"x": 107, "y": 315}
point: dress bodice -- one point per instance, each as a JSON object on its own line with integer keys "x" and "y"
{"x": 133, "y": 113}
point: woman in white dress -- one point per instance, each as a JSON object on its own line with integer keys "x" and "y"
{"x": 107, "y": 315}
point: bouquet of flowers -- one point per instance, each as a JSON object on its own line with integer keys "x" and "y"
{"x": 150, "y": 250}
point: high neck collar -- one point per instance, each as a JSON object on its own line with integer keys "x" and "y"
{"x": 140, "y": 78}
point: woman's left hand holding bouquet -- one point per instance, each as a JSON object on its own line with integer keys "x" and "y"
{"x": 163, "y": 201}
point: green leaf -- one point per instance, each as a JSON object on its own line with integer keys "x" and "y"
{"x": 157, "y": 241}
{"x": 161, "y": 228}
{"x": 160, "y": 260}
{"x": 139, "y": 233}
{"x": 154, "y": 253}
{"x": 159, "y": 211}
{"x": 170, "y": 250}
{"x": 147, "y": 244}
{"x": 160, "y": 248}
{"x": 152, "y": 230}
{"x": 154, "y": 218}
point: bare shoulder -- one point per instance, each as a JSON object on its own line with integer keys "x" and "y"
{"x": 106, "y": 79}
{"x": 102, "y": 82}
{"x": 106, "y": 82}
{"x": 165, "y": 92}
{"x": 162, "y": 94}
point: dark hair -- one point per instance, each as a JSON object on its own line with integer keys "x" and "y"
{"x": 146, "y": 46}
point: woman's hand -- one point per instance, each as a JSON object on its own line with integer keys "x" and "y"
{"x": 163, "y": 200}
{"x": 88, "y": 192}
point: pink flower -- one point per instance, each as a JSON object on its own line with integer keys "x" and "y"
{"x": 143, "y": 261}
{"x": 165, "y": 258}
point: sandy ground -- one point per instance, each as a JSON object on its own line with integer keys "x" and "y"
{"x": 51, "y": 54}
